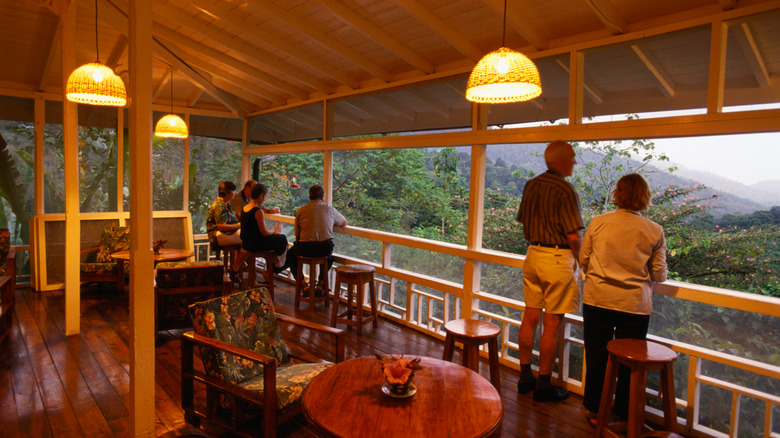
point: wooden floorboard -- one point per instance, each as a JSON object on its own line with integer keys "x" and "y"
{"x": 57, "y": 386}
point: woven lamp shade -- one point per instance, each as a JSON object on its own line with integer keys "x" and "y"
{"x": 171, "y": 126}
{"x": 96, "y": 84}
{"x": 504, "y": 76}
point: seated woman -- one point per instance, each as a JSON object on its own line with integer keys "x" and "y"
{"x": 622, "y": 255}
{"x": 221, "y": 222}
{"x": 255, "y": 236}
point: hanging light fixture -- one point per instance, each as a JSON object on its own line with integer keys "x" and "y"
{"x": 503, "y": 76}
{"x": 95, "y": 83}
{"x": 171, "y": 125}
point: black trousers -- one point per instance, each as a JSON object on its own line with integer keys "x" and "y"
{"x": 309, "y": 249}
{"x": 601, "y": 326}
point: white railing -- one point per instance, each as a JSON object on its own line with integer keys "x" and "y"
{"x": 428, "y": 311}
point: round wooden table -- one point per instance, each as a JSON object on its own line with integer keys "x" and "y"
{"x": 346, "y": 400}
{"x": 165, "y": 255}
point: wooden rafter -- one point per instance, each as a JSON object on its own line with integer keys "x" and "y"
{"x": 517, "y": 22}
{"x": 325, "y": 40}
{"x": 752, "y": 54}
{"x": 453, "y": 37}
{"x": 665, "y": 82}
{"x": 379, "y": 36}
{"x": 268, "y": 41}
{"x": 590, "y": 90}
{"x": 421, "y": 97}
{"x": 210, "y": 52}
{"x": 159, "y": 86}
{"x": 118, "y": 20}
{"x": 116, "y": 52}
{"x": 609, "y": 15}
{"x": 51, "y": 58}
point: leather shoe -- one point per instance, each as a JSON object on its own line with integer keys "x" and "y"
{"x": 551, "y": 394}
{"x": 592, "y": 417}
{"x": 524, "y": 387}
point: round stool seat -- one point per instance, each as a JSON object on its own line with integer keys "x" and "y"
{"x": 636, "y": 350}
{"x": 472, "y": 333}
{"x": 355, "y": 269}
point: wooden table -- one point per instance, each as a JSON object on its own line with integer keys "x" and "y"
{"x": 165, "y": 255}
{"x": 346, "y": 400}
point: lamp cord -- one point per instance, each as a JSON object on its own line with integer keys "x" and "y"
{"x": 97, "y": 48}
{"x": 171, "y": 91}
{"x": 503, "y": 34}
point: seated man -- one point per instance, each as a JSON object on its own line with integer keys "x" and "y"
{"x": 314, "y": 224}
{"x": 221, "y": 221}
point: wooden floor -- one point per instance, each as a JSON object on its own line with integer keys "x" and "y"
{"x": 57, "y": 386}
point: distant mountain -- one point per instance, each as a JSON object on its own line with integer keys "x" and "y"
{"x": 726, "y": 196}
{"x": 765, "y": 193}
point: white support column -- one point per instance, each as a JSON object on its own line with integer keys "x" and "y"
{"x": 717, "y": 74}
{"x": 120, "y": 159}
{"x": 246, "y": 172}
{"x": 39, "y": 125}
{"x": 472, "y": 271}
{"x": 142, "y": 401}
{"x": 70, "y": 151}
{"x": 327, "y": 156}
{"x": 576, "y": 86}
{"x": 186, "y": 177}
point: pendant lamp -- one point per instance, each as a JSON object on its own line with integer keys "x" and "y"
{"x": 95, "y": 83}
{"x": 171, "y": 125}
{"x": 504, "y": 76}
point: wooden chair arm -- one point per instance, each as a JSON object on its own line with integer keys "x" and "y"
{"x": 89, "y": 250}
{"x": 229, "y": 348}
{"x": 338, "y": 334}
{"x": 10, "y": 265}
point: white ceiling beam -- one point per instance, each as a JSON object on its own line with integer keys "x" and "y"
{"x": 236, "y": 22}
{"x": 455, "y": 37}
{"x": 51, "y": 58}
{"x": 325, "y": 40}
{"x": 207, "y": 51}
{"x": 517, "y": 22}
{"x": 379, "y": 36}
{"x": 425, "y": 100}
{"x": 609, "y": 16}
{"x": 590, "y": 90}
{"x": 194, "y": 97}
{"x": 665, "y": 82}
{"x": 752, "y": 54}
{"x": 158, "y": 87}
{"x": 117, "y": 52}
{"x": 366, "y": 109}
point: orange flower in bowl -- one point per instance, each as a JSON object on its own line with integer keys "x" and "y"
{"x": 397, "y": 371}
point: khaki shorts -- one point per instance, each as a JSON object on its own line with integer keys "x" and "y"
{"x": 551, "y": 280}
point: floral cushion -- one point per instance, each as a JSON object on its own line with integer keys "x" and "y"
{"x": 245, "y": 319}
{"x": 114, "y": 239}
{"x": 102, "y": 268}
{"x": 291, "y": 380}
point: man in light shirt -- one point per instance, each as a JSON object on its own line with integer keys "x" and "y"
{"x": 314, "y": 223}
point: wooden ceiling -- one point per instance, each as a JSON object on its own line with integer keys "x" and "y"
{"x": 254, "y": 57}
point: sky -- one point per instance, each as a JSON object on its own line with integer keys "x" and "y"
{"x": 745, "y": 158}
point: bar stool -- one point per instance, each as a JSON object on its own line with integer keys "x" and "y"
{"x": 268, "y": 273}
{"x": 355, "y": 276}
{"x": 300, "y": 284}
{"x": 230, "y": 253}
{"x": 472, "y": 333}
{"x": 640, "y": 356}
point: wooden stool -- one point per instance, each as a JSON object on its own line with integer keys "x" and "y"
{"x": 268, "y": 274}
{"x": 230, "y": 254}
{"x": 472, "y": 333}
{"x": 640, "y": 356}
{"x": 300, "y": 284}
{"x": 355, "y": 276}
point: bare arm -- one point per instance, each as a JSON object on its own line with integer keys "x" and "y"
{"x": 260, "y": 218}
{"x": 575, "y": 242}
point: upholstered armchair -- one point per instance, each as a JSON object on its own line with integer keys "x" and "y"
{"x": 98, "y": 266}
{"x": 243, "y": 353}
{"x": 180, "y": 284}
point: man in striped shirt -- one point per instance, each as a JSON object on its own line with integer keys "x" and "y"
{"x": 551, "y": 218}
